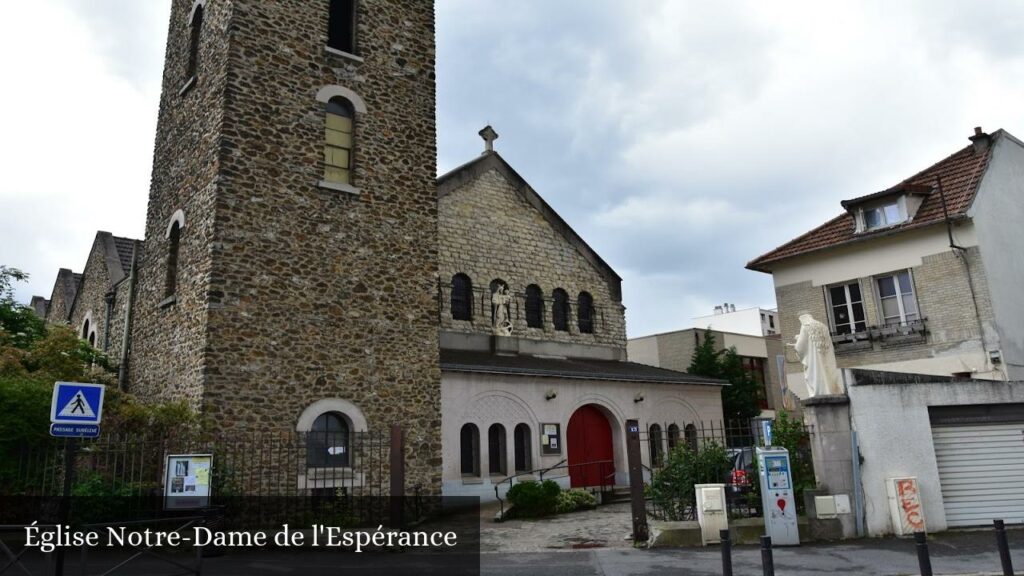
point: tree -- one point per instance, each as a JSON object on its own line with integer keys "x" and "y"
{"x": 19, "y": 325}
{"x": 740, "y": 398}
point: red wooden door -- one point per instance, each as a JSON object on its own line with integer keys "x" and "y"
{"x": 589, "y": 442}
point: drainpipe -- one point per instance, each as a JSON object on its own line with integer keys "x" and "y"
{"x": 109, "y": 300}
{"x": 961, "y": 252}
{"x": 122, "y": 368}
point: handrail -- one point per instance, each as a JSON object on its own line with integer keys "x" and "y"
{"x": 541, "y": 471}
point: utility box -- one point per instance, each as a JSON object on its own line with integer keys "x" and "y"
{"x": 905, "y": 505}
{"x": 777, "y": 497}
{"x": 711, "y": 512}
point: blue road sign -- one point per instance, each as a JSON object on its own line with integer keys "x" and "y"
{"x": 75, "y": 430}
{"x": 76, "y": 403}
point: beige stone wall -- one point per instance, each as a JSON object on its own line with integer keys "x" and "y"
{"x": 489, "y": 231}
{"x": 943, "y": 297}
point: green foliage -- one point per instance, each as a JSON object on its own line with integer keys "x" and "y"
{"x": 672, "y": 487}
{"x": 740, "y": 400}
{"x": 533, "y": 499}
{"x": 19, "y": 325}
{"x": 575, "y": 499}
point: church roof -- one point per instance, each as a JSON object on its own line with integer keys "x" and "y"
{"x": 961, "y": 175}
{"x": 491, "y": 160}
{"x": 575, "y": 368}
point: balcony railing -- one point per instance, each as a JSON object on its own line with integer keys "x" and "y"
{"x": 911, "y": 332}
{"x": 482, "y": 311}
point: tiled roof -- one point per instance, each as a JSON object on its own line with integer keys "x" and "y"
{"x": 124, "y": 252}
{"x": 961, "y": 174}
{"x": 485, "y": 362}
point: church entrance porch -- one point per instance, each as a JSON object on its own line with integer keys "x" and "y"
{"x": 591, "y": 458}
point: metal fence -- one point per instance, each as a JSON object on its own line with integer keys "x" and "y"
{"x": 680, "y": 455}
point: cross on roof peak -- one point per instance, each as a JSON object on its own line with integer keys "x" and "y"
{"x": 489, "y": 136}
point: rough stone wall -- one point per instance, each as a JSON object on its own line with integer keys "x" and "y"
{"x": 169, "y": 338}
{"x": 315, "y": 293}
{"x": 489, "y": 231}
{"x": 60, "y": 300}
{"x": 91, "y": 299}
{"x": 943, "y": 298}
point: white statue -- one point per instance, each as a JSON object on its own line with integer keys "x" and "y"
{"x": 814, "y": 345}
{"x": 501, "y": 299}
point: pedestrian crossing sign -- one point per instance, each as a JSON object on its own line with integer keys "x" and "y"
{"x": 76, "y": 403}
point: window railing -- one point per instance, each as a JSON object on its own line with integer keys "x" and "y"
{"x": 909, "y": 332}
{"x": 482, "y": 311}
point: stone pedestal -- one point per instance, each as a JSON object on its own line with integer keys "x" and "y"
{"x": 832, "y": 453}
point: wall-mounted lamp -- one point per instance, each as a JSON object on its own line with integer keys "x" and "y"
{"x": 639, "y": 397}
{"x": 550, "y": 394}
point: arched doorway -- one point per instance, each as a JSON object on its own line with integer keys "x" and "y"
{"x": 589, "y": 442}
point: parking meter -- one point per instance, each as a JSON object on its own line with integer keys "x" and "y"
{"x": 777, "y": 497}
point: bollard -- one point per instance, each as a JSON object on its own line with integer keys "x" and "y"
{"x": 1004, "y": 548}
{"x": 921, "y": 540}
{"x": 767, "y": 564}
{"x": 723, "y": 535}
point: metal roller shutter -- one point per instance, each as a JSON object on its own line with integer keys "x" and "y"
{"x": 981, "y": 470}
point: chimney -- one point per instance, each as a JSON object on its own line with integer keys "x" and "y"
{"x": 718, "y": 310}
{"x": 980, "y": 140}
{"x": 732, "y": 307}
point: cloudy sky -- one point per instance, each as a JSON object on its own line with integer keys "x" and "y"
{"x": 680, "y": 138}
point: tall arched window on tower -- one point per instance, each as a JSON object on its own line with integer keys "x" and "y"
{"x": 469, "y": 448}
{"x": 85, "y": 329}
{"x": 656, "y": 446}
{"x": 338, "y": 145}
{"x": 560, "y": 310}
{"x": 327, "y": 445}
{"x": 193, "y": 41}
{"x": 522, "y": 447}
{"x": 341, "y": 26}
{"x": 462, "y": 297}
{"x": 534, "y": 306}
{"x": 585, "y": 313}
{"x": 173, "y": 240}
{"x": 496, "y": 450}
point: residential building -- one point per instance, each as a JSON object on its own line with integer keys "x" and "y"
{"x": 752, "y": 321}
{"x": 922, "y": 277}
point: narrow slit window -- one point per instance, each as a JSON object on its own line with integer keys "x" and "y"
{"x": 585, "y": 313}
{"x": 560, "y": 310}
{"x": 462, "y": 297}
{"x": 193, "y": 42}
{"x": 338, "y": 141}
{"x": 469, "y": 447}
{"x": 172, "y": 260}
{"x": 534, "y": 306}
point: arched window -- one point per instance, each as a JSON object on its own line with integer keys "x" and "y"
{"x": 496, "y": 462}
{"x": 534, "y": 306}
{"x": 92, "y": 339}
{"x": 691, "y": 437}
{"x": 327, "y": 443}
{"x": 522, "y": 447}
{"x": 585, "y": 313}
{"x": 85, "y": 329}
{"x": 173, "y": 238}
{"x": 193, "y": 42}
{"x": 656, "y": 446}
{"x": 560, "y": 310}
{"x": 338, "y": 146}
{"x": 341, "y": 26}
{"x": 469, "y": 448}
{"x": 462, "y": 297}
{"x": 673, "y": 437}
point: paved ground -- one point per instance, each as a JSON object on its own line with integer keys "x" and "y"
{"x": 606, "y": 527}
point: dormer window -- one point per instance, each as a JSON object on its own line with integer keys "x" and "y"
{"x": 882, "y": 216}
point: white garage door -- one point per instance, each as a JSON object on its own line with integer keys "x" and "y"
{"x": 981, "y": 469}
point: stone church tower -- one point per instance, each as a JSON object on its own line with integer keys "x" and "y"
{"x": 291, "y": 255}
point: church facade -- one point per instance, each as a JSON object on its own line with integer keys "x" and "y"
{"x": 305, "y": 267}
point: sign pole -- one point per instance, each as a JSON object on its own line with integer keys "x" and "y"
{"x": 64, "y": 512}
{"x": 636, "y": 481}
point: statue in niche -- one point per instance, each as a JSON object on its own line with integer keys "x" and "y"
{"x": 500, "y": 302}
{"x": 814, "y": 346}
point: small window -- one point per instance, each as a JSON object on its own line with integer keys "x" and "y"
{"x": 673, "y": 437}
{"x": 691, "y": 437}
{"x": 171, "y": 285}
{"x": 585, "y": 313}
{"x": 522, "y": 447}
{"x": 469, "y": 448}
{"x": 193, "y": 42}
{"x": 882, "y": 216}
{"x": 496, "y": 450}
{"x": 338, "y": 146}
{"x": 771, "y": 321}
{"x": 657, "y": 449}
{"x": 534, "y": 306}
{"x": 846, "y": 308}
{"x": 462, "y": 297}
{"x": 327, "y": 443}
{"x": 341, "y": 26}
{"x": 92, "y": 339}
{"x": 560, "y": 310}
{"x": 896, "y": 298}
{"x": 85, "y": 329}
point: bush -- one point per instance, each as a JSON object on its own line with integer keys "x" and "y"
{"x": 672, "y": 487}
{"x": 575, "y": 499}
{"x": 533, "y": 499}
